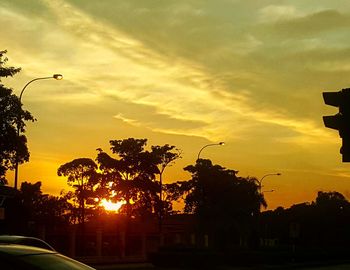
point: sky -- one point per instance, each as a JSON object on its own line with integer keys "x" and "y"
{"x": 186, "y": 73}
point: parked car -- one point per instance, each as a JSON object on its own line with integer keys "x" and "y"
{"x": 25, "y": 240}
{"x": 22, "y": 257}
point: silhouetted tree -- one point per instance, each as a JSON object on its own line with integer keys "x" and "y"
{"x": 29, "y": 211}
{"x": 222, "y": 202}
{"x": 82, "y": 176}
{"x": 31, "y": 195}
{"x": 12, "y": 117}
{"x": 331, "y": 200}
{"x": 42, "y": 209}
{"x": 214, "y": 189}
{"x": 321, "y": 223}
{"x": 53, "y": 211}
{"x": 131, "y": 176}
{"x": 164, "y": 156}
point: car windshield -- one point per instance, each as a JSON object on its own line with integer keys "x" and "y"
{"x": 53, "y": 262}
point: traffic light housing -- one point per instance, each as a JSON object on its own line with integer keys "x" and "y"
{"x": 340, "y": 121}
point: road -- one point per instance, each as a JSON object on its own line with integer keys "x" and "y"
{"x": 330, "y": 267}
{"x": 289, "y": 267}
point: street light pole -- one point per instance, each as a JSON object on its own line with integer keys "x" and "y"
{"x": 55, "y": 76}
{"x": 262, "y": 178}
{"x": 212, "y": 144}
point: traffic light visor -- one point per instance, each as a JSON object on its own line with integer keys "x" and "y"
{"x": 332, "y": 98}
{"x": 333, "y": 121}
{"x": 345, "y": 150}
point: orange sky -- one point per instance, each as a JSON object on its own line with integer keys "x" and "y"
{"x": 187, "y": 73}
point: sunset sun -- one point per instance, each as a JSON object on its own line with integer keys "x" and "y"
{"x": 111, "y": 206}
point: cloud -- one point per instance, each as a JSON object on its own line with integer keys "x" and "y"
{"x": 249, "y": 73}
{"x": 275, "y": 13}
{"x": 107, "y": 62}
{"x": 130, "y": 121}
{"x": 312, "y": 24}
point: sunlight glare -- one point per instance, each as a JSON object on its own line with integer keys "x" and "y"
{"x": 110, "y": 206}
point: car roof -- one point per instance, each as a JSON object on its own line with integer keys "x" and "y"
{"x": 9, "y": 237}
{"x": 25, "y": 240}
{"x": 22, "y": 250}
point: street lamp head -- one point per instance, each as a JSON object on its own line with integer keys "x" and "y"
{"x": 58, "y": 76}
{"x": 278, "y": 173}
{"x": 221, "y": 143}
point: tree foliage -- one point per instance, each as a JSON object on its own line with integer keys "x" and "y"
{"x": 30, "y": 211}
{"x": 222, "y": 202}
{"x": 330, "y": 200}
{"x": 324, "y": 222}
{"x": 42, "y": 208}
{"x": 12, "y": 118}
{"x": 82, "y": 176}
{"x": 214, "y": 190}
{"x": 130, "y": 176}
{"x": 164, "y": 156}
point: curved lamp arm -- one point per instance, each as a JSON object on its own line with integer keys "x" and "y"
{"x": 55, "y": 76}
{"x": 262, "y": 178}
{"x": 212, "y": 144}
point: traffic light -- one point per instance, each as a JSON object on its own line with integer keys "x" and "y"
{"x": 340, "y": 121}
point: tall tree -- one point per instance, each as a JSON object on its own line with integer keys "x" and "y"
{"x": 221, "y": 201}
{"x": 82, "y": 176}
{"x": 164, "y": 156}
{"x": 12, "y": 117}
{"x": 131, "y": 176}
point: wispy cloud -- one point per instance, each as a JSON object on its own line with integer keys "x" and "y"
{"x": 105, "y": 61}
{"x": 311, "y": 24}
{"x": 249, "y": 73}
{"x": 274, "y": 13}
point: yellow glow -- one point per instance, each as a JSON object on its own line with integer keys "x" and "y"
{"x": 110, "y": 206}
{"x": 171, "y": 94}
{"x": 58, "y": 76}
